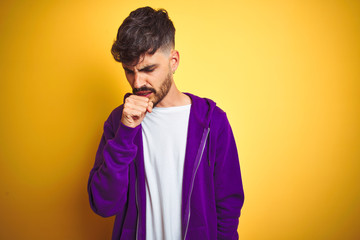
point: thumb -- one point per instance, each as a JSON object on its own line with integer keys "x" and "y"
{"x": 150, "y": 107}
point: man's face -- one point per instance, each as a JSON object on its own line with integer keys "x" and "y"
{"x": 152, "y": 76}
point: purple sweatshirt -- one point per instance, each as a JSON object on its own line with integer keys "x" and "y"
{"x": 212, "y": 191}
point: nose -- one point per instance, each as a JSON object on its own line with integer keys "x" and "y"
{"x": 138, "y": 80}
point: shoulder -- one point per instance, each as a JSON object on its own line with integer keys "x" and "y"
{"x": 219, "y": 121}
{"x": 114, "y": 117}
{"x": 219, "y": 113}
{"x": 206, "y": 108}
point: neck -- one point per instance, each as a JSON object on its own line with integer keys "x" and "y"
{"x": 174, "y": 98}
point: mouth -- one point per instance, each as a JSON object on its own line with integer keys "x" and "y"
{"x": 144, "y": 93}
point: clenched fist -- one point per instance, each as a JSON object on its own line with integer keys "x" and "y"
{"x": 135, "y": 108}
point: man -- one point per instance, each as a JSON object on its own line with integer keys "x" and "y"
{"x": 167, "y": 164}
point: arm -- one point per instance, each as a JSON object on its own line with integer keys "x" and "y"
{"x": 229, "y": 194}
{"x": 109, "y": 178}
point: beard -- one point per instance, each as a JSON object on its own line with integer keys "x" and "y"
{"x": 161, "y": 93}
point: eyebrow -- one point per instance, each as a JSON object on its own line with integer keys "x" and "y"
{"x": 146, "y": 68}
{"x": 149, "y": 67}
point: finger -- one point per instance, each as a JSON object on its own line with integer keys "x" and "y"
{"x": 138, "y": 98}
{"x": 142, "y": 105}
{"x": 134, "y": 107}
{"x": 133, "y": 114}
{"x": 136, "y": 104}
{"x": 150, "y": 107}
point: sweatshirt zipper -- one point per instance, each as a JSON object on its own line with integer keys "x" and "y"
{"x": 198, "y": 160}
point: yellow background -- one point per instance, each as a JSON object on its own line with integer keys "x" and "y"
{"x": 286, "y": 72}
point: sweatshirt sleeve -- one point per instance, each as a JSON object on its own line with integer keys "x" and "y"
{"x": 109, "y": 178}
{"x": 229, "y": 193}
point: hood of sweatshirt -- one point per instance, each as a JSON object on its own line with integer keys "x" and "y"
{"x": 202, "y": 109}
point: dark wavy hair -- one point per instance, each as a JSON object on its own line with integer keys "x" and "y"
{"x": 145, "y": 30}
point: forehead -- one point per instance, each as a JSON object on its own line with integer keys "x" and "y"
{"x": 158, "y": 58}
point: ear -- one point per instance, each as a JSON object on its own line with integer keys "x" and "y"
{"x": 174, "y": 60}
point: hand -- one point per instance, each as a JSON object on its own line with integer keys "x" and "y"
{"x": 135, "y": 108}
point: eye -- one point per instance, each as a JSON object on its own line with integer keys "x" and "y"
{"x": 127, "y": 71}
{"x": 148, "y": 70}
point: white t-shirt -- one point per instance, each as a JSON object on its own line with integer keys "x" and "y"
{"x": 164, "y": 134}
